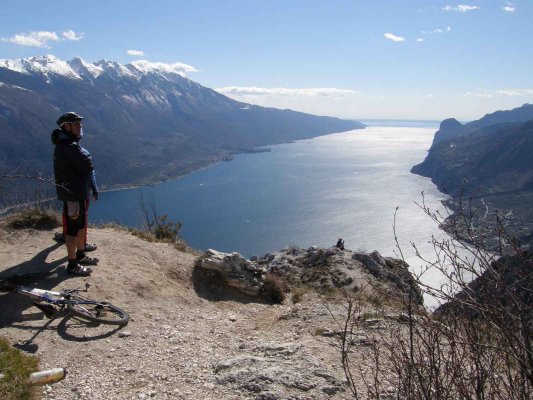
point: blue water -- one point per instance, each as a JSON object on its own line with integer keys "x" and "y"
{"x": 306, "y": 193}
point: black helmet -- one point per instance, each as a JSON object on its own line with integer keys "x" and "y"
{"x": 68, "y": 118}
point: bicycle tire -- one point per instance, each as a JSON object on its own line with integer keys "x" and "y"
{"x": 97, "y": 311}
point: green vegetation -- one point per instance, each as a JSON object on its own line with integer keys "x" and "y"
{"x": 16, "y": 368}
{"x": 152, "y": 237}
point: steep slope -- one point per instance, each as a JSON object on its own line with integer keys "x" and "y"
{"x": 143, "y": 122}
{"x": 497, "y": 158}
{"x": 490, "y": 161}
{"x": 491, "y": 154}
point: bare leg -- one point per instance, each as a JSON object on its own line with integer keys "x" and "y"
{"x": 80, "y": 240}
{"x": 71, "y": 241}
{"x": 75, "y": 242}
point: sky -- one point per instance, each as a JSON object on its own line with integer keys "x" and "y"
{"x": 358, "y": 59}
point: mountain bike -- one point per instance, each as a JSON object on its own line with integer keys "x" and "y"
{"x": 69, "y": 301}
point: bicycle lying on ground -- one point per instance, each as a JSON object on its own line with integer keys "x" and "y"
{"x": 69, "y": 301}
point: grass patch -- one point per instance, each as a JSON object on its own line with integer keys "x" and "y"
{"x": 17, "y": 367}
{"x": 35, "y": 218}
{"x": 152, "y": 237}
{"x": 298, "y": 293}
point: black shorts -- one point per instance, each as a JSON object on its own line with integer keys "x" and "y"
{"x": 74, "y": 212}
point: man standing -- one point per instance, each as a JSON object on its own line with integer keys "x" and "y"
{"x": 74, "y": 176}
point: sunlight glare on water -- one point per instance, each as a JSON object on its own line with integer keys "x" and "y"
{"x": 306, "y": 193}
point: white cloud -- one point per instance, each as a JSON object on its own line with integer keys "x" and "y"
{"x": 499, "y": 93}
{"x": 516, "y": 92}
{"x": 178, "y": 68}
{"x": 481, "y": 93}
{"x": 308, "y": 92}
{"x": 460, "y": 8}
{"x": 419, "y": 40}
{"x": 438, "y": 30}
{"x": 510, "y": 8}
{"x": 36, "y": 39}
{"x": 41, "y": 38}
{"x": 135, "y": 52}
{"x": 394, "y": 38}
{"x": 71, "y": 35}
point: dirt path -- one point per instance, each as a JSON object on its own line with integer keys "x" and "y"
{"x": 179, "y": 344}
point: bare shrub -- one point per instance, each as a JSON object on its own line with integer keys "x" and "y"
{"x": 158, "y": 227}
{"x": 274, "y": 289}
{"x": 477, "y": 345}
{"x": 43, "y": 218}
{"x": 298, "y": 293}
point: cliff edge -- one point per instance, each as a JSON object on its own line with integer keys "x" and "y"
{"x": 187, "y": 339}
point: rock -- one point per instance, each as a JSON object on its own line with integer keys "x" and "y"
{"x": 235, "y": 270}
{"x": 372, "y": 321}
{"x": 332, "y": 390}
{"x": 273, "y": 349}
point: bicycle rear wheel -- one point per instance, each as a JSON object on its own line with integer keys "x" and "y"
{"x": 97, "y": 311}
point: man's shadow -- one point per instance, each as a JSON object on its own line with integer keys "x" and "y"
{"x": 37, "y": 272}
{"x": 34, "y": 272}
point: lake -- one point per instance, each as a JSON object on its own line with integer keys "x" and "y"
{"x": 306, "y": 193}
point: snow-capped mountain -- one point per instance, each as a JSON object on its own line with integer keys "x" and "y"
{"x": 77, "y": 68}
{"x": 143, "y": 121}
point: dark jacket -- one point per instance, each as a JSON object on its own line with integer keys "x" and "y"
{"x": 73, "y": 167}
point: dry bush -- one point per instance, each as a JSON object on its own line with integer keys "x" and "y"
{"x": 274, "y": 289}
{"x": 42, "y": 218}
{"x": 298, "y": 293}
{"x": 479, "y": 345}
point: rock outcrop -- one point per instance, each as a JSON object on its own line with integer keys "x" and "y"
{"x": 322, "y": 269}
{"x": 449, "y": 129}
{"x": 235, "y": 270}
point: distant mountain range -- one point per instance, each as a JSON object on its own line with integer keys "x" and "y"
{"x": 143, "y": 122}
{"x": 490, "y": 159}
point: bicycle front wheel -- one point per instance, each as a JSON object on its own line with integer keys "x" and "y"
{"x": 97, "y": 311}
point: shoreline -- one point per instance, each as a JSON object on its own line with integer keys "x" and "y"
{"x": 219, "y": 158}
{"x": 104, "y": 189}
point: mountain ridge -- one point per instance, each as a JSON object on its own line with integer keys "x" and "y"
{"x": 146, "y": 118}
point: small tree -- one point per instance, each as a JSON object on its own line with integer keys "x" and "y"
{"x": 159, "y": 225}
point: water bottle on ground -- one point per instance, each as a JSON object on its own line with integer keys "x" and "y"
{"x": 47, "y": 376}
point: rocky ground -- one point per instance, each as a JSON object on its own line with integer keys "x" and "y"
{"x": 184, "y": 340}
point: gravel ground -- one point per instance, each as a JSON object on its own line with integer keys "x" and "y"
{"x": 179, "y": 343}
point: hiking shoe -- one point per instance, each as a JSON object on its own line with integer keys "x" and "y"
{"x": 90, "y": 247}
{"x": 79, "y": 270}
{"x": 88, "y": 260}
{"x": 59, "y": 237}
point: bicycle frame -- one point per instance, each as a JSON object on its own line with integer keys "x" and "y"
{"x": 41, "y": 294}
